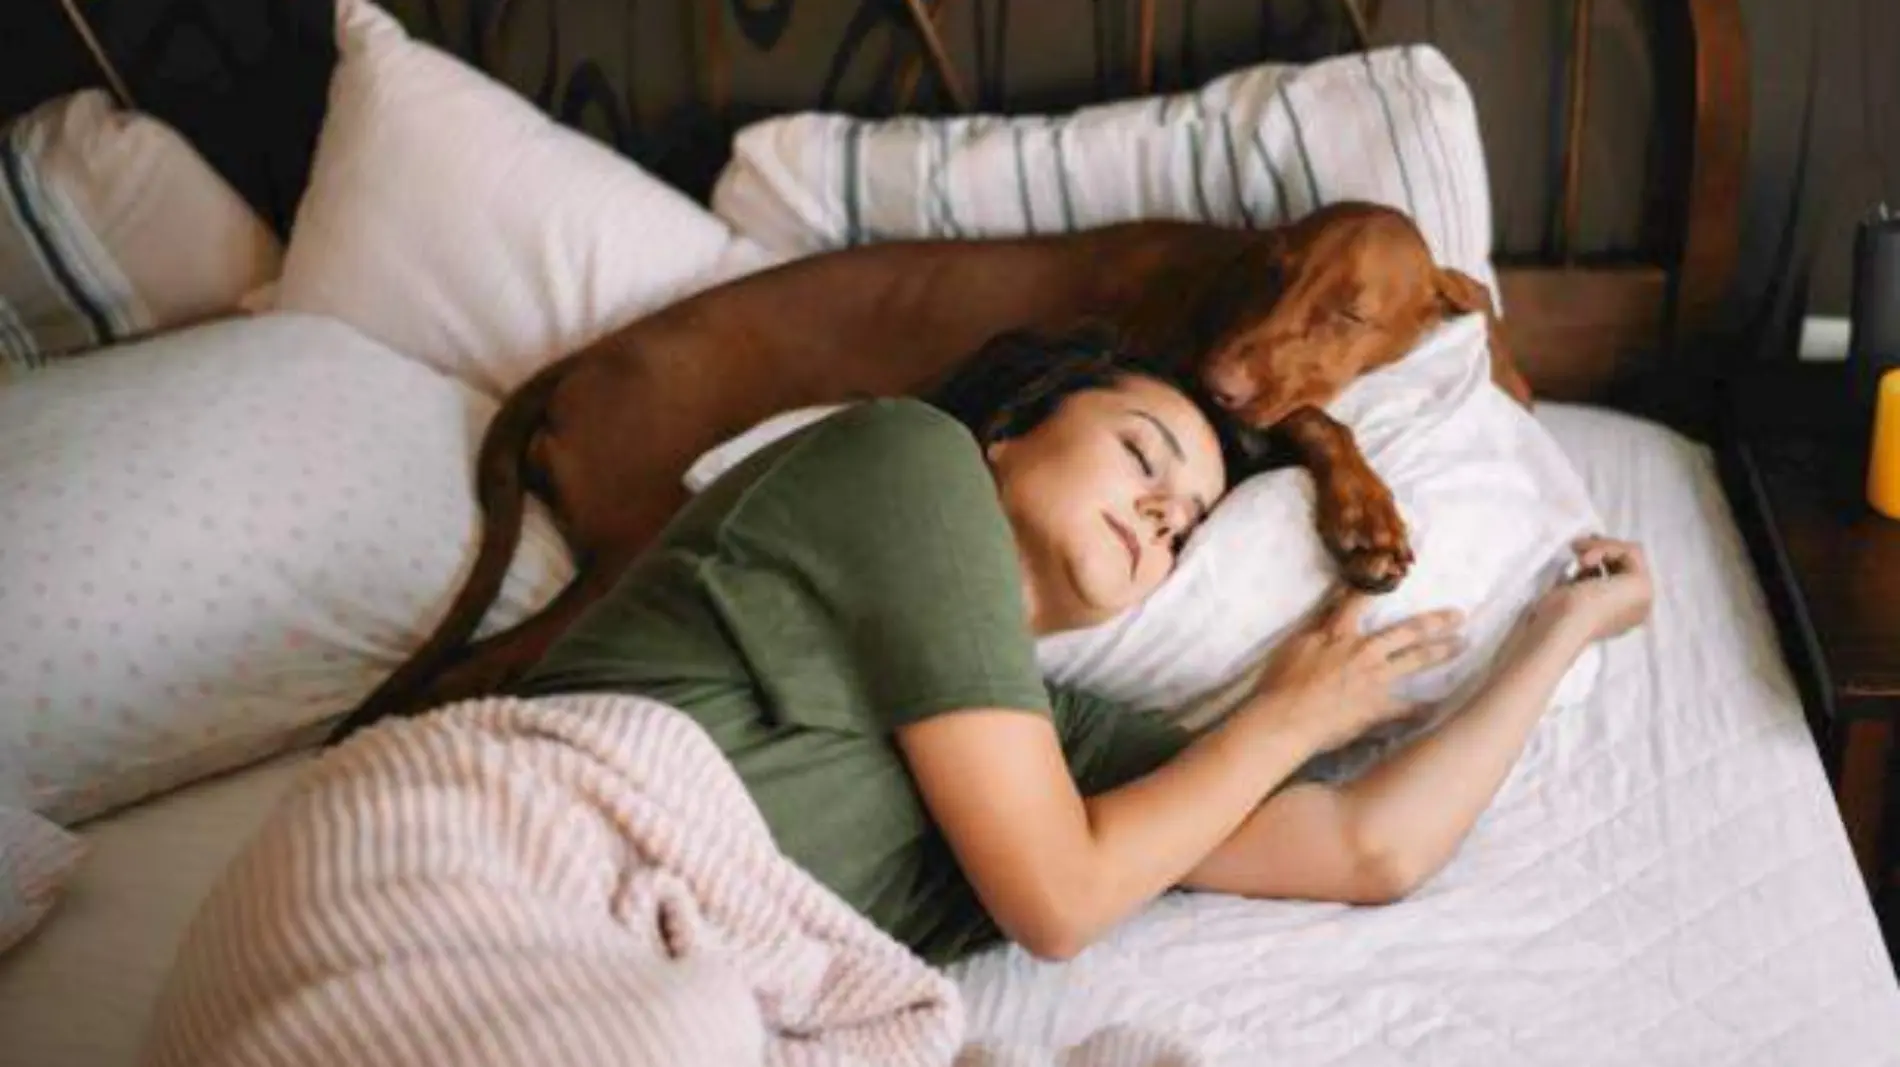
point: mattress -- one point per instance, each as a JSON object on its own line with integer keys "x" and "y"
{"x": 1663, "y": 879}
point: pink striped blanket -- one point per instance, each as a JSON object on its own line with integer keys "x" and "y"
{"x": 562, "y": 881}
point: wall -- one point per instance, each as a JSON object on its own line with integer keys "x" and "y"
{"x": 1827, "y": 118}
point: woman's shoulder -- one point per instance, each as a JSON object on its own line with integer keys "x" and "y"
{"x": 846, "y": 445}
{"x": 873, "y": 442}
{"x": 883, "y": 454}
{"x": 887, "y": 469}
{"x": 898, "y": 422}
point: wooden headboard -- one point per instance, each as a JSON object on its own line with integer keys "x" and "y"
{"x": 1582, "y": 328}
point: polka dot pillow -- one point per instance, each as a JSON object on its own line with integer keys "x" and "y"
{"x": 214, "y": 542}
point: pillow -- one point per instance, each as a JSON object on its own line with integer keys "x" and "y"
{"x": 111, "y": 226}
{"x": 1257, "y": 147}
{"x": 36, "y": 858}
{"x": 449, "y": 219}
{"x": 1492, "y": 506}
{"x": 1491, "y": 502}
{"x": 215, "y": 541}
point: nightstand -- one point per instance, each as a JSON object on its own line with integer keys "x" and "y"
{"x": 1793, "y": 460}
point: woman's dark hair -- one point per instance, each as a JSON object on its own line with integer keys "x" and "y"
{"x": 1019, "y": 378}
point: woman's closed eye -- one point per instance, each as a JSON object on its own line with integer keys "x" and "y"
{"x": 1177, "y": 532}
{"x": 1141, "y": 457}
{"x": 1178, "y": 518}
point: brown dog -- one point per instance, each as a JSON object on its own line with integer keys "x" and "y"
{"x": 1275, "y": 322}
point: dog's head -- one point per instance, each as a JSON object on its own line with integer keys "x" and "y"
{"x": 1307, "y": 308}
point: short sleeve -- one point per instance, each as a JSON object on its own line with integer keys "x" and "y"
{"x": 1108, "y": 745}
{"x": 872, "y": 580}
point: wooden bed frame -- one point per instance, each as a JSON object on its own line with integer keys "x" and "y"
{"x": 1595, "y": 331}
{"x": 1577, "y": 327}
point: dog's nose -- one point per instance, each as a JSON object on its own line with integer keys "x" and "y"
{"x": 1231, "y": 388}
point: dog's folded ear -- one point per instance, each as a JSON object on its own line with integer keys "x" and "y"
{"x": 1461, "y": 294}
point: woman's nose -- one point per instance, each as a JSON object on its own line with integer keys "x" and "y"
{"x": 1165, "y": 517}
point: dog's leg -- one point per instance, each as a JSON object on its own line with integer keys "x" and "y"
{"x": 1358, "y": 519}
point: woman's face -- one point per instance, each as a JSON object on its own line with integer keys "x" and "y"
{"x": 1102, "y": 495}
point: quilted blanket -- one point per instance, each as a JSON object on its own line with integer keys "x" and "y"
{"x": 562, "y": 881}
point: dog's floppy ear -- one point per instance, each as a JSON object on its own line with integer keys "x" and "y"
{"x": 1461, "y": 294}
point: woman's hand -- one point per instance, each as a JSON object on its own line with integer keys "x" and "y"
{"x": 1610, "y": 595}
{"x": 1333, "y": 684}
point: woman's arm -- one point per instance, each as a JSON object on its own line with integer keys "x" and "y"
{"x": 1376, "y": 839}
{"x": 1055, "y": 870}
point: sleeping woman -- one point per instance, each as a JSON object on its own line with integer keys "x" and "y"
{"x": 851, "y": 615}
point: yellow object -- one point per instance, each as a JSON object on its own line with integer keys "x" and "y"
{"x": 1883, "y": 465}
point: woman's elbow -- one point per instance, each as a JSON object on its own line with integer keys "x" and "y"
{"x": 1388, "y": 877}
{"x": 1053, "y": 946}
{"x": 1054, "y": 928}
{"x": 1053, "y": 936}
{"x": 1385, "y": 867}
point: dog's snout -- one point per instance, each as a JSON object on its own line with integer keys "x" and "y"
{"x": 1229, "y": 385}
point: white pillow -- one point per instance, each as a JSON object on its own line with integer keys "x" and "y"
{"x": 1490, "y": 501}
{"x": 1257, "y": 147}
{"x": 111, "y": 227}
{"x": 449, "y": 219}
{"x": 1491, "y": 504}
{"x": 215, "y": 541}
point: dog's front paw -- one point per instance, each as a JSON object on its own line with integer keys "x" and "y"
{"x": 1362, "y": 528}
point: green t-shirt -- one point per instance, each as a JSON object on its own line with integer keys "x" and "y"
{"x": 854, "y": 577}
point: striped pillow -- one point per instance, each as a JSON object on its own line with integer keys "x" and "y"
{"x": 1254, "y": 148}
{"x": 112, "y": 226}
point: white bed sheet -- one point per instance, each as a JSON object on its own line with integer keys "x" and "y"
{"x": 1664, "y": 879}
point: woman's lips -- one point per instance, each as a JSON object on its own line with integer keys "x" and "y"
{"x": 1129, "y": 541}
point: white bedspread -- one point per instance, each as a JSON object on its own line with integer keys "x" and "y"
{"x": 1663, "y": 881}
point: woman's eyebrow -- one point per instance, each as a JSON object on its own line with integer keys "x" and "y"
{"x": 1174, "y": 443}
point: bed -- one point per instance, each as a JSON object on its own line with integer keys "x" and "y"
{"x": 1663, "y": 880}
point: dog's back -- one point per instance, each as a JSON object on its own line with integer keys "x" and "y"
{"x": 606, "y": 434}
